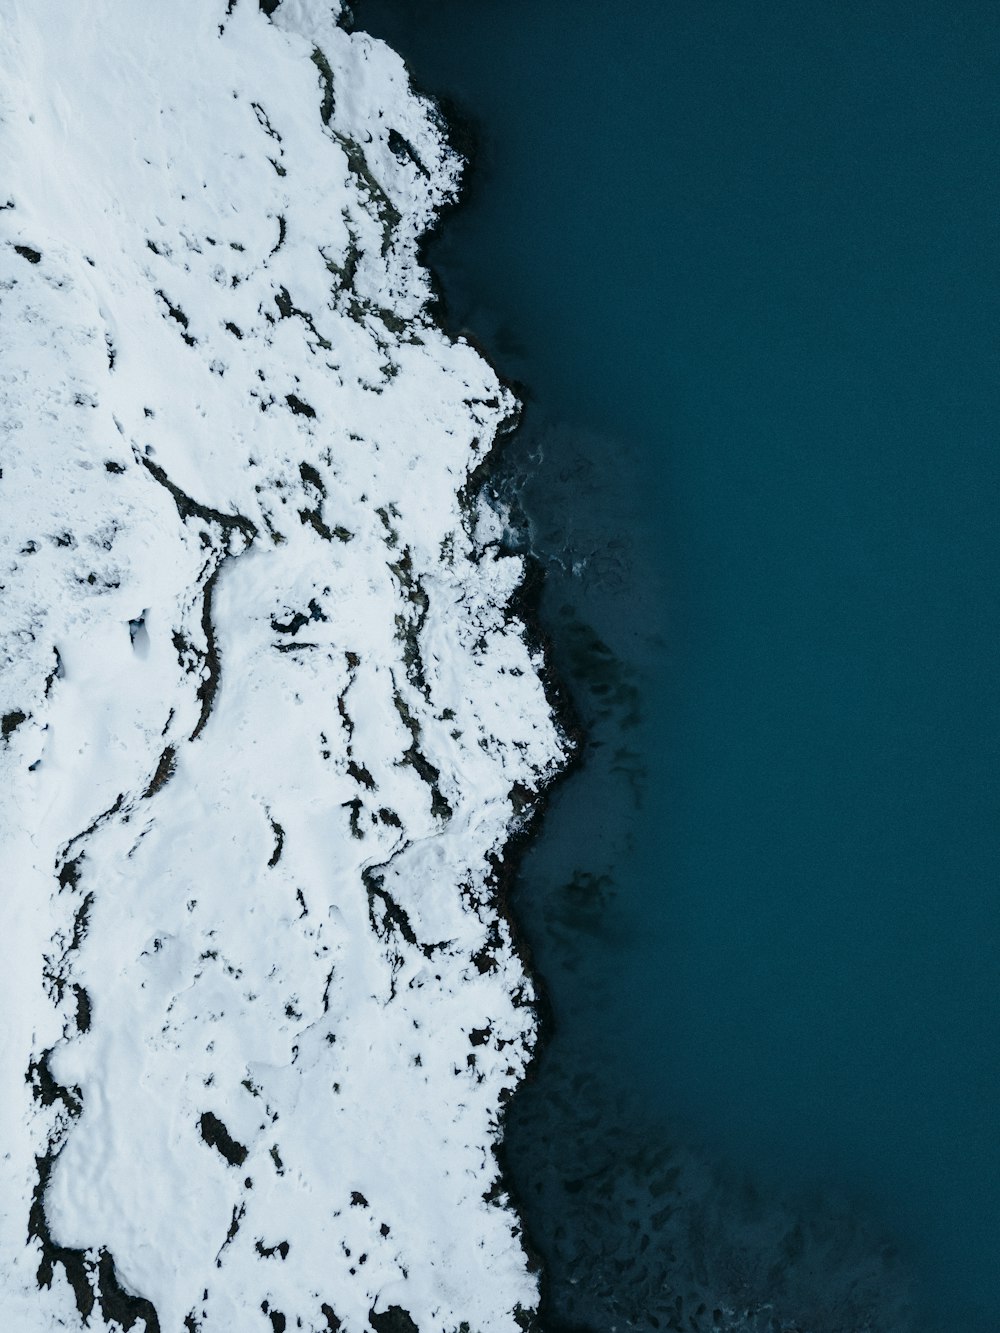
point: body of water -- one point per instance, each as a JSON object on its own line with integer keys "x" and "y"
{"x": 745, "y": 256}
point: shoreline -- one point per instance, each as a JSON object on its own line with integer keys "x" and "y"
{"x": 463, "y": 137}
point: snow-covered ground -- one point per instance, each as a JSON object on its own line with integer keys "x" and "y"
{"x": 267, "y": 719}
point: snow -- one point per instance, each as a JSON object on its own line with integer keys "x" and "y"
{"x": 265, "y": 704}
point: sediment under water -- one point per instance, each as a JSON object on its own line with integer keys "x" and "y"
{"x": 744, "y": 257}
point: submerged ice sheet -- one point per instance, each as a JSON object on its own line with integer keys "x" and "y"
{"x": 268, "y": 720}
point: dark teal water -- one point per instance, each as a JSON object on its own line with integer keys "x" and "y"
{"x": 745, "y": 257}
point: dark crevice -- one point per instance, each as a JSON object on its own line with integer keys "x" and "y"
{"x": 357, "y": 164}
{"x": 264, "y": 122}
{"x": 62, "y": 865}
{"x": 81, "y": 920}
{"x": 287, "y": 309}
{"x": 409, "y": 628}
{"x": 315, "y": 520}
{"x": 239, "y": 1211}
{"x": 326, "y": 79}
{"x": 355, "y": 806}
{"x": 418, "y": 761}
{"x": 189, "y": 508}
{"x": 208, "y": 686}
{"x": 230, "y": 523}
{"x": 396, "y": 915}
{"x": 279, "y": 843}
{"x": 165, "y": 770}
{"x": 178, "y": 315}
{"x": 347, "y": 272}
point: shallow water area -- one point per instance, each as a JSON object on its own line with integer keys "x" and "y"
{"x": 744, "y": 257}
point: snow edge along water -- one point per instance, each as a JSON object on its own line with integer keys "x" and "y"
{"x": 464, "y": 135}
{"x": 291, "y": 875}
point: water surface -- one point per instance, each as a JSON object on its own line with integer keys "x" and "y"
{"x": 745, "y": 257}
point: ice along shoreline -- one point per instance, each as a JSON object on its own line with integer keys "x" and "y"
{"x": 463, "y": 136}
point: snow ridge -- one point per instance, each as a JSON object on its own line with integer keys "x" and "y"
{"x": 268, "y": 720}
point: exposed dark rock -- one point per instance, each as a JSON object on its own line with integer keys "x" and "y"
{"x": 217, "y": 1136}
{"x": 46, "y": 1091}
{"x": 361, "y": 775}
{"x": 11, "y": 721}
{"x": 269, "y": 1251}
{"x": 393, "y": 1320}
{"x": 82, "y": 1008}
{"x": 393, "y": 913}
{"x": 117, "y": 1303}
{"x": 311, "y": 477}
{"x": 165, "y": 770}
{"x": 279, "y": 842}
{"x": 326, "y": 78}
{"x": 298, "y": 406}
{"x": 189, "y": 508}
{"x": 404, "y": 151}
{"x": 177, "y": 314}
{"x": 208, "y": 686}
{"x": 69, "y": 873}
{"x": 92, "y": 1283}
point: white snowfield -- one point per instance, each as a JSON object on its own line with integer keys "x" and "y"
{"x": 268, "y": 720}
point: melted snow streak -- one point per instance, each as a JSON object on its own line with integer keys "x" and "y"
{"x": 267, "y": 719}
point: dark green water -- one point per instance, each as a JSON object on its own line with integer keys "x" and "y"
{"x": 745, "y": 256}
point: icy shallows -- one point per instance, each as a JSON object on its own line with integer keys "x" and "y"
{"x": 268, "y": 720}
